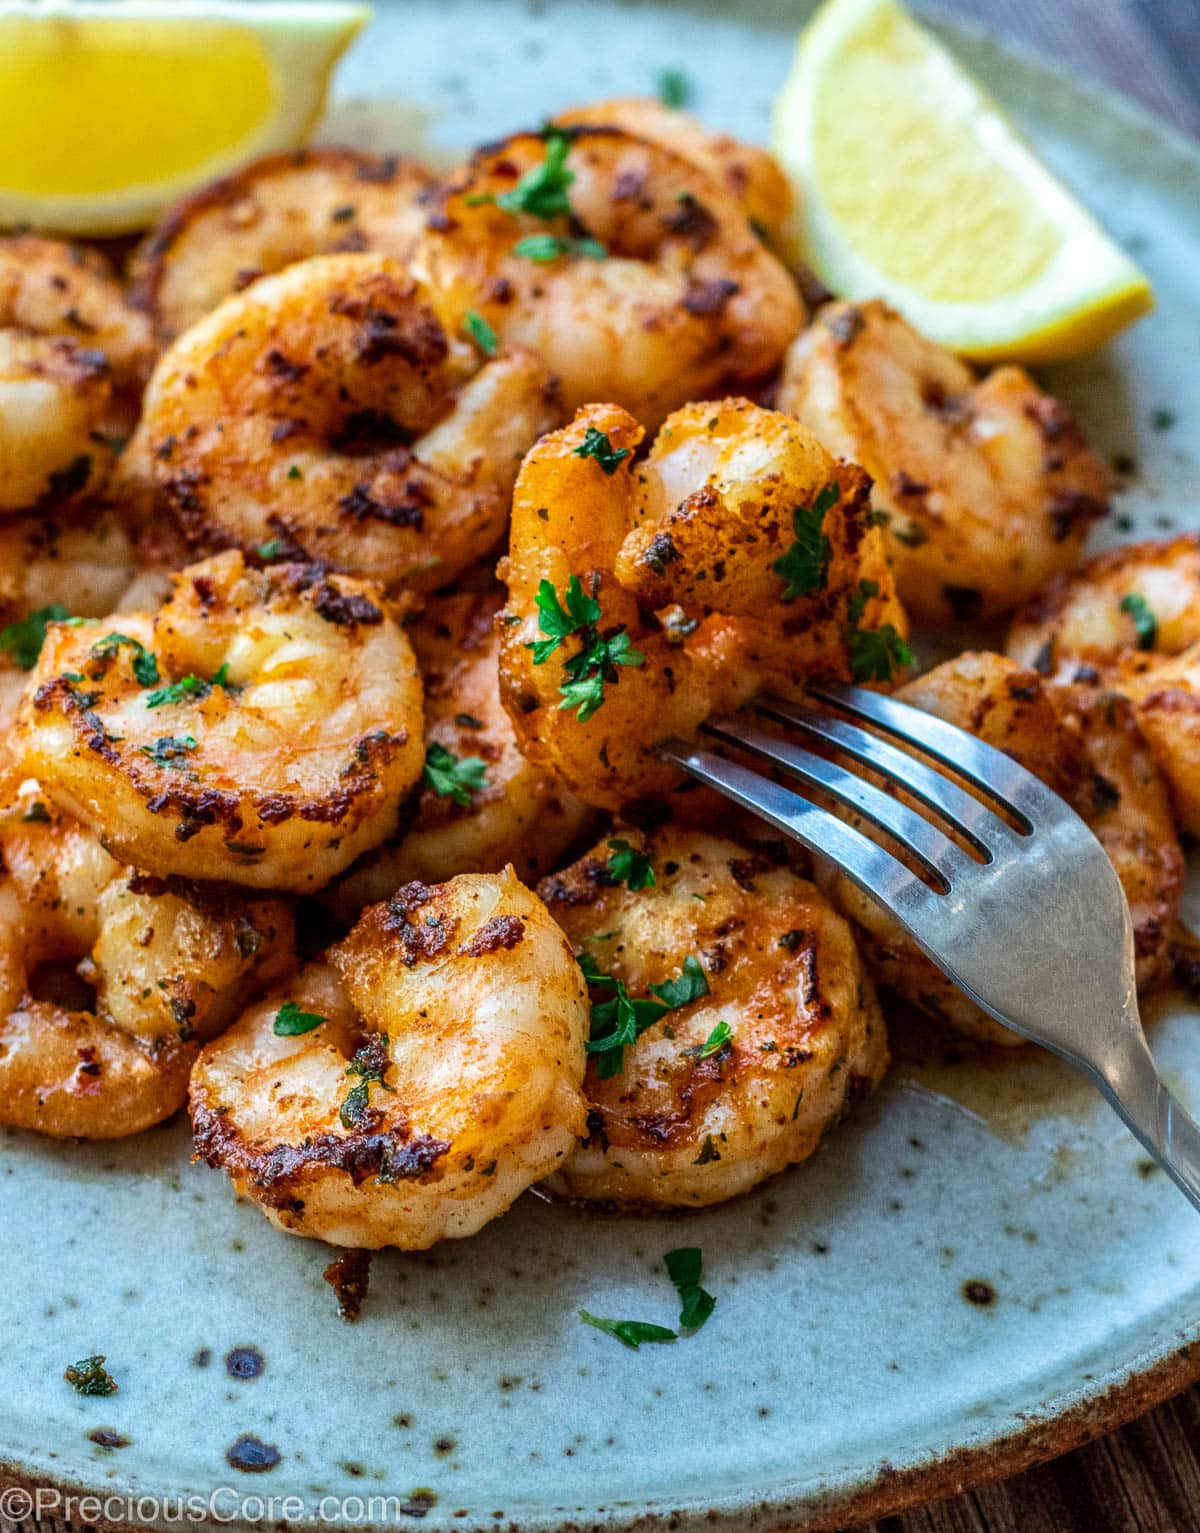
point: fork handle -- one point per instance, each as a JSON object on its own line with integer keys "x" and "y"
{"x": 1140, "y": 1096}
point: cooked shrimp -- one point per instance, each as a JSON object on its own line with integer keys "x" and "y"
{"x": 1082, "y": 742}
{"x": 750, "y": 175}
{"x": 989, "y": 486}
{"x": 325, "y": 410}
{"x": 261, "y": 727}
{"x": 156, "y": 967}
{"x": 634, "y": 274}
{"x": 713, "y": 528}
{"x": 72, "y": 351}
{"x": 768, "y": 1030}
{"x": 442, "y": 1079}
{"x": 275, "y": 211}
{"x": 1131, "y": 618}
{"x": 481, "y": 804}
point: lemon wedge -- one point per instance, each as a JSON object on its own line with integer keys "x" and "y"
{"x": 912, "y": 185}
{"x": 113, "y": 108}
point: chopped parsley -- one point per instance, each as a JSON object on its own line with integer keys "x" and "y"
{"x": 804, "y": 567}
{"x": 481, "y": 332}
{"x": 176, "y": 691}
{"x": 291, "y": 1021}
{"x": 169, "y": 750}
{"x": 542, "y": 191}
{"x": 269, "y": 550}
{"x": 370, "y": 1064}
{"x": 629, "y": 866}
{"x": 599, "y": 654}
{"x": 89, "y": 1376}
{"x": 451, "y": 776}
{"x": 544, "y": 248}
{"x": 684, "y": 1268}
{"x": 596, "y": 445}
{"x": 1144, "y": 622}
{"x": 632, "y": 1332}
{"x": 294, "y": 472}
{"x": 620, "y": 1021}
{"x": 24, "y": 640}
{"x": 674, "y": 89}
{"x": 145, "y": 666}
{"x": 717, "y": 1042}
{"x": 875, "y": 653}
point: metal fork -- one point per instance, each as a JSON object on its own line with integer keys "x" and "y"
{"x": 1036, "y": 932}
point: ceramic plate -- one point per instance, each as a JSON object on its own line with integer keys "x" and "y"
{"x": 979, "y": 1269}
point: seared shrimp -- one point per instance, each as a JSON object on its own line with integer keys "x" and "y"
{"x": 1131, "y": 617}
{"x": 757, "y": 550}
{"x": 767, "y": 1031}
{"x": 110, "y": 979}
{"x": 433, "y": 1072}
{"x": 1084, "y": 743}
{"x": 989, "y": 486}
{"x": 481, "y": 804}
{"x": 72, "y": 355}
{"x": 275, "y": 211}
{"x": 261, "y": 727}
{"x": 326, "y": 412}
{"x": 634, "y": 274}
{"x": 752, "y": 176}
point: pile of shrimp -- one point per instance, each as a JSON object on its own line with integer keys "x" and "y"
{"x": 367, "y": 545}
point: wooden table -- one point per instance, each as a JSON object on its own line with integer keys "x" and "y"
{"x": 1146, "y": 1478}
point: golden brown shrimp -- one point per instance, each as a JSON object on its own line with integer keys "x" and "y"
{"x": 326, "y": 410}
{"x": 261, "y": 727}
{"x": 756, "y": 548}
{"x": 481, "y": 804}
{"x": 111, "y": 979}
{"x": 633, "y": 273}
{"x": 73, "y": 355}
{"x": 441, "y": 1079}
{"x": 989, "y": 485}
{"x": 767, "y": 1031}
{"x": 752, "y": 176}
{"x": 1082, "y": 742}
{"x": 273, "y": 212}
{"x": 1131, "y": 618}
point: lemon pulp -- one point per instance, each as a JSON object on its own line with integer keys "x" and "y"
{"x": 117, "y": 118}
{"x": 925, "y": 174}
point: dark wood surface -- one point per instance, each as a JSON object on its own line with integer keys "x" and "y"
{"x": 1145, "y": 1478}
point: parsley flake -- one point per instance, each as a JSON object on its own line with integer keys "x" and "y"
{"x": 145, "y": 666}
{"x": 544, "y": 248}
{"x": 599, "y": 654}
{"x": 542, "y": 191}
{"x": 674, "y": 89}
{"x": 632, "y": 1332}
{"x": 1145, "y": 623}
{"x": 620, "y": 1021}
{"x": 24, "y": 640}
{"x": 291, "y": 1021}
{"x": 717, "y": 1042}
{"x": 629, "y": 866}
{"x": 370, "y": 1064}
{"x": 176, "y": 691}
{"x": 596, "y": 445}
{"x": 169, "y": 750}
{"x": 805, "y": 566}
{"x": 89, "y": 1376}
{"x": 683, "y": 1268}
{"x": 875, "y": 653}
{"x": 451, "y": 776}
{"x": 481, "y": 332}
{"x": 269, "y": 550}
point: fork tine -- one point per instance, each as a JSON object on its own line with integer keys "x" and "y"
{"x": 874, "y": 870}
{"x": 974, "y": 820}
{"x": 930, "y": 846}
{"x": 989, "y": 769}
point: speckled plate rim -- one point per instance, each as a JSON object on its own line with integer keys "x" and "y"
{"x": 1067, "y": 1418}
